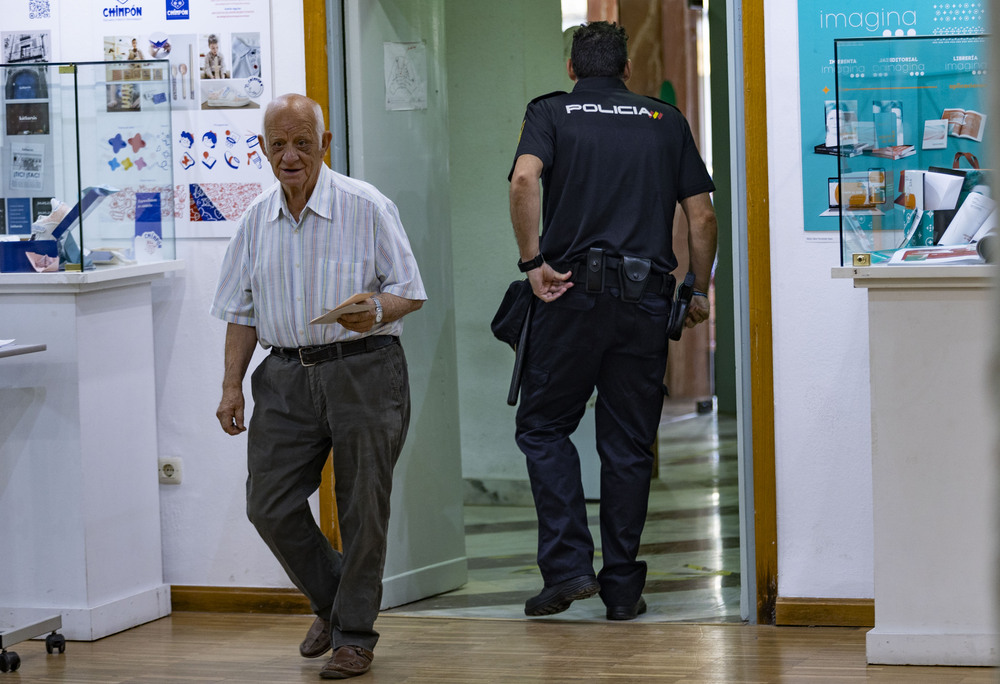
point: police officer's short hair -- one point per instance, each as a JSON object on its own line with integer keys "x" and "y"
{"x": 599, "y": 49}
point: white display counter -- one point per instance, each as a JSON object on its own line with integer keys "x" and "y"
{"x": 934, "y": 467}
{"x": 79, "y": 493}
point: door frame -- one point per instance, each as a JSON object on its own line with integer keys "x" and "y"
{"x": 752, "y": 296}
{"x": 322, "y": 35}
{"x": 323, "y": 20}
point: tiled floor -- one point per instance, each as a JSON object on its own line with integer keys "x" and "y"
{"x": 690, "y": 542}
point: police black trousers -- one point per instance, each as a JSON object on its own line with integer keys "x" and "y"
{"x": 577, "y": 343}
{"x": 360, "y": 407}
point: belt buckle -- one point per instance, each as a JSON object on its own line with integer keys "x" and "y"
{"x": 302, "y": 358}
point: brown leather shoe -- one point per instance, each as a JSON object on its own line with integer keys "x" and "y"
{"x": 317, "y": 641}
{"x": 347, "y": 661}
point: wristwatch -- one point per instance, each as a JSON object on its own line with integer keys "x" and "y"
{"x": 525, "y": 266}
{"x": 378, "y": 310}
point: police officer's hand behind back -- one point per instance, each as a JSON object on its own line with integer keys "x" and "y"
{"x": 547, "y": 283}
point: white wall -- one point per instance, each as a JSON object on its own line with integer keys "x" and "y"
{"x": 207, "y": 539}
{"x": 822, "y": 417}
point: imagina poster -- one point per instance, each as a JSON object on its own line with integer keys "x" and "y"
{"x": 821, "y": 22}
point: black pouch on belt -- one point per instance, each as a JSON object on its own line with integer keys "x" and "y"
{"x": 595, "y": 270}
{"x": 634, "y": 275}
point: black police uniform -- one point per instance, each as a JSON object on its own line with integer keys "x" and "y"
{"x": 615, "y": 164}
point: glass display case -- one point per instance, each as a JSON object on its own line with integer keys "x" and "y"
{"x": 910, "y": 134}
{"x": 85, "y": 163}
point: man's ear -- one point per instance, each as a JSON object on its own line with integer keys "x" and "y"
{"x": 569, "y": 70}
{"x": 627, "y": 72}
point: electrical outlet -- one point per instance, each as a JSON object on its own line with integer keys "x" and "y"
{"x": 170, "y": 469}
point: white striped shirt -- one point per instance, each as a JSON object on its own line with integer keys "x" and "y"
{"x": 279, "y": 273}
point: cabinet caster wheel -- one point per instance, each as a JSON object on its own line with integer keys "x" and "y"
{"x": 54, "y": 642}
{"x": 9, "y": 661}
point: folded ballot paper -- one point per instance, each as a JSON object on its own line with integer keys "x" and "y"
{"x": 353, "y": 304}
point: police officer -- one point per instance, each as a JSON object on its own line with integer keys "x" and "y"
{"x": 613, "y": 165}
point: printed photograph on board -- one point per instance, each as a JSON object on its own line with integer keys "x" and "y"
{"x": 184, "y": 70}
{"x": 25, "y": 46}
{"x": 123, "y": 97}
{"x": 26, "y": 83}
{"x": 246, "y": 55}
{"x": 127, "y": 48}
{"x": 212, "y": 56}
{"x": 27, "y": 118}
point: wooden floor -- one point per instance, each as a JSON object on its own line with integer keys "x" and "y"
{"x": 206, "y": 647}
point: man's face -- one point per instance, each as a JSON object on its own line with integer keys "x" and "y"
{"x": 294, "y": 149}
{"x": 213, "y": 48}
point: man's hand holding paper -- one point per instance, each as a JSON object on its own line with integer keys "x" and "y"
{"x": 351, "y": 313}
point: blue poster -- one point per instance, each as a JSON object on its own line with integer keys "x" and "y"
{"x": 821, "y": 22}
{"x": 19, "y": 215}
{"x": 147, "y": 213}
{"x": 148, "y": 227}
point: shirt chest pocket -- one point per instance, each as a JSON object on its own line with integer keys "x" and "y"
{"x": 335, "y": 280}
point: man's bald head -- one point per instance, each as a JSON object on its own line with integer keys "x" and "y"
{"x": 301, "y": 105}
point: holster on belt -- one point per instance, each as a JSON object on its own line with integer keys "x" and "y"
{"x": 634, "y": 273}
{"x": 679, "y": 309}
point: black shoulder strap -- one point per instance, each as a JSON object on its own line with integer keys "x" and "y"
{"x": 662, "y": 102}
{"x": 547, "y": 96}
